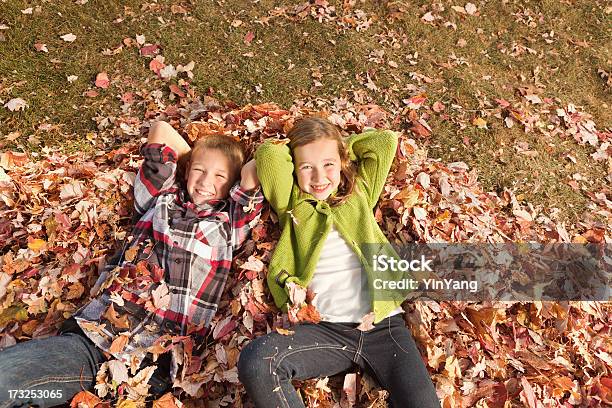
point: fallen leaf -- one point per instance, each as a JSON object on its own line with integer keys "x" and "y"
{"x": 40, "y": 47}
{"x": 16, "y": 104}
{"x": 367, "y": 322}
{"x": 284, "y": 332}
{"x": 249, "y": 37}
{"x": 102, "y": 80}
{"x": 84, "y": 399}
{"x": 68, "y": 37}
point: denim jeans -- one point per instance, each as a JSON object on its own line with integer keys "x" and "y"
{"x": 49, "y": 371}
{"x": 269, "y": 363}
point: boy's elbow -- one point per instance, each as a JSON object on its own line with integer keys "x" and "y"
{"x": 157, "y": 132}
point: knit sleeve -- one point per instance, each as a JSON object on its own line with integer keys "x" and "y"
{"x": 275, "y": 172}
{"x": 374, "y": 152}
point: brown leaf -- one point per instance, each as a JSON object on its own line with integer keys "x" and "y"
{"x": 119, "y": 321}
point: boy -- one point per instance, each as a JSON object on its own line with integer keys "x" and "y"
{"x": 168, "y": 278}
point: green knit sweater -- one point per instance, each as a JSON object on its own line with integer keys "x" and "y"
{"x": 306, "y": 221}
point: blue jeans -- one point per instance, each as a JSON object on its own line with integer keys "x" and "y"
{"x": 269, "y": 363}
{"x": 49, "y": 371}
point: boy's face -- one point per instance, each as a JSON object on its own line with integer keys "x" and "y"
{"x": 317, "y": 166}
{"x": 209, "y": 176}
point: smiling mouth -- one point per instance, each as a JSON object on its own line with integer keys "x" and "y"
{"x": 204, "y": 193}
{"x": 320, "y": 189}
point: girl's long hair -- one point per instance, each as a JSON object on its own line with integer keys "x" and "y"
{"x": 310, "y": 129}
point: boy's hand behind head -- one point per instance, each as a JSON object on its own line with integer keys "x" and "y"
{"x": 248, "y": 176}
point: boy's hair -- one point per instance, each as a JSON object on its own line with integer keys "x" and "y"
{"x": 310, "y": 129}
{"x": 227, "y": 145}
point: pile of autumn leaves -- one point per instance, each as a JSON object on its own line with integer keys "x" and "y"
{"x": 61, "y": 214}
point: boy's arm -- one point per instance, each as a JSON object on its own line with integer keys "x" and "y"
{"x": 248, "y": 176}
{"x": 245, "y": 210}
{"x": 158, "y": 170}
{"x": 374, "y": 152}
{"x": 163, "y": 133}
{"x": 275, "y": 172}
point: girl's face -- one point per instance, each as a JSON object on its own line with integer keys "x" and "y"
{"x": 317, "y": 166}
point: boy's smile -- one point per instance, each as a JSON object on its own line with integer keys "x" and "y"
{"x": 318, "y": 167}
{"x": 209, "y": 177}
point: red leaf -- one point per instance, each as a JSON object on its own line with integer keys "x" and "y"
{"x": 176, "y": 90}
{"x": 102, "y": 80}
{"x": 149, "y": 50}
{"x": 249, "y": 37}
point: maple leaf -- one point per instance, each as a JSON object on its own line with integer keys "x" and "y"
{"x": 161, "y": 296}
{"x": 249, "y": 37}
{"x": 308, "y": 313}
{"x": 119, "y": 344}
{"x": 120, "y": 322}
{"x": 102, "y": 80}
{"x": 367, "y": 322}
{"x": 68, "y": 37}
{"x": 166, "y": 401}
{"x": 16, "y": 104}
{"x": 84, "y": 399}
{"x": 118, "y": 371}
{"x": 40, "y": 47}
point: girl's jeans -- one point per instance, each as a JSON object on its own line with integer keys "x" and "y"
{"x": 49, "y": 371}
{"x": 269, "y": 363}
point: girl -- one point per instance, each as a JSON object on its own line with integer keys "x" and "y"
{"x": 326, "y": 217}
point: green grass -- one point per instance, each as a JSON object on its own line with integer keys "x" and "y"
{"x": 579, "y": 30}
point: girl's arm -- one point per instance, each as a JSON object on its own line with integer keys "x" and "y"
{"x": 374, "y": 152}
{"x": 275, "y": 172}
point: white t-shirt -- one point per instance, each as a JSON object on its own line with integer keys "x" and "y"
{"x": 340, "y": 283}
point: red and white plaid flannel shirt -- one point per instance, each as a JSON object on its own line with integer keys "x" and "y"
{"x": 187, "y": 248}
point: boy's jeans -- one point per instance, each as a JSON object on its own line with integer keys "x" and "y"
{"x": 49, "y": 371}
{"x": 269, "y": 363}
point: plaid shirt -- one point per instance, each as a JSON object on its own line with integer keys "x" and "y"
{"x": 170, "y": 274}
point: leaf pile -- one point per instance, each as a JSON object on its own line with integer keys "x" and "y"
{"x": 61, "y": 215}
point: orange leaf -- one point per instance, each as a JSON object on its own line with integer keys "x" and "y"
{"x": 119, "y": 321}
{"x": 84, "y": 398}
{"x": 309, "y": 313}
{"x": 166, "y": 401}
{"x": 118, "y": 344}
{"x": 37, "y": 244}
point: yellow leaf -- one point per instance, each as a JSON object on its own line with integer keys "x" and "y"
{"x": 480, "y": 122}
{"x": 37, "y": 244}
{"x": 11, "y": 313}
{"x": 284, "y": 332}
{"x": 130, "y": 254}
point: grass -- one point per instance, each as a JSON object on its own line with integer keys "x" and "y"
{"x": 553, "y": 47}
